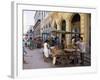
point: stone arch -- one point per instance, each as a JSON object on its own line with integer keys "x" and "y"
{"x": 63, "y": 25}
{"x": 75, "y": 24}
{"x": 63, "y": 35}
{"x": 69, "y": 27}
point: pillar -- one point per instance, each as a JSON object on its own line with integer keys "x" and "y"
{"x": 84, "y": 25}
{"x": 68, "y": 36}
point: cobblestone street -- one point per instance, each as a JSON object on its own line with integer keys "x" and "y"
{"x": 34, "y": 60}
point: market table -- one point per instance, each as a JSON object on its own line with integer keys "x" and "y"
{"x": 72, "y": 52}
{"x": 64, "y": 56}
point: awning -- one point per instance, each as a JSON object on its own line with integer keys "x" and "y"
{"x": 66, "y": 32}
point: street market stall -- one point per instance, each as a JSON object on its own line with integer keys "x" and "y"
{"x": 66, "y": 55}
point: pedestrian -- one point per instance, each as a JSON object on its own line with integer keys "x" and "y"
{"x": 24, "y": 52}
{"x": 57, "y": 41}
{"x": 81, "y": 45}
{"x": 31, "y": 43}
{"x": 46, "y": 50}
{"x": 24, "y": 47}
{"x": 62, "y": 43}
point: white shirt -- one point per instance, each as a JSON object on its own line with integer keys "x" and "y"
{"x": 81, "y": 46}
{"x": 46, "y": 50}
{"x": 45, "y": 45}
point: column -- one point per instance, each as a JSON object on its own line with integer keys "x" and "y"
{"x": 82, "y": 26}
{"x": 59, "y": 28}
{"x": 68, "y": 36}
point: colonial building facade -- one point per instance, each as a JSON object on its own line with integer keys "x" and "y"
{"x": 69, "y": 22}
{"x": 39, "y": 17}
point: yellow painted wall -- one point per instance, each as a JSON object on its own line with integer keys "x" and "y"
{"x": 84, "y": 24}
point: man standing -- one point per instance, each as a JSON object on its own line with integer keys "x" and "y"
{"x": 46, "y": 50}
{"x": 81, "y": 46}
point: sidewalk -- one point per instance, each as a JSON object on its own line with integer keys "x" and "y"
{"x": 34, "y": 60}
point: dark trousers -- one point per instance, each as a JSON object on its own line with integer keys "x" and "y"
{"x": 45, "y": 58}
{"x": 82, "y": 58}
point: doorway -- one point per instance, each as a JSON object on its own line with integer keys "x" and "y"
{"x": 63, "y": 37}
{"x": 75, "y": 27}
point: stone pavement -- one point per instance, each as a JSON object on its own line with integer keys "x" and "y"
{"x": 34, "y": 60}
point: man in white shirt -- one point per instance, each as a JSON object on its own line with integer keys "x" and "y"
{"x": 46, "y": 50}
{"x": 81, "y": 46}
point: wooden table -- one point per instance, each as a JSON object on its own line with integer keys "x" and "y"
{"x": 64, "y": 55}
{"x": 72, "y": 52}
{"x": 55, "y": 54}
{"x": 69, "y": 49}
